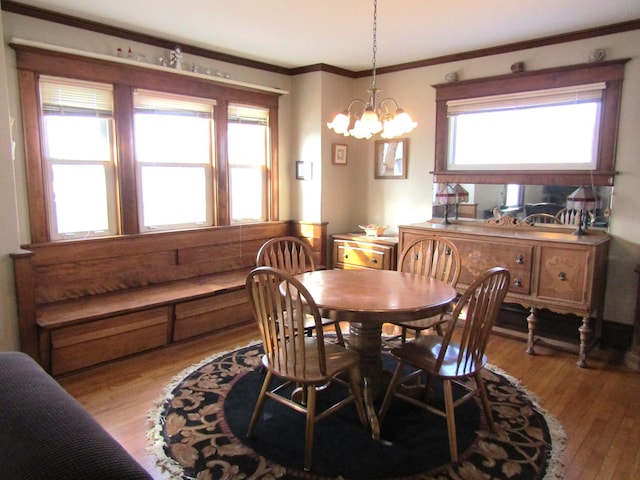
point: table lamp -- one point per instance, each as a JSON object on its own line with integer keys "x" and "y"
{"x": 446, "y": 195}
{"x": 462, "y": 196}
{"x": 583, "y": 198}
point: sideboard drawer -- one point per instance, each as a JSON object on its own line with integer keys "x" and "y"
{"x": 477, "y": 256}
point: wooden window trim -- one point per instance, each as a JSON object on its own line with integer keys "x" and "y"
{"x": 33, "y": 62}
{"x": 611, "y": 72}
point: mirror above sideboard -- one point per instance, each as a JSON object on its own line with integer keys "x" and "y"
{"x": 521, "y": 200}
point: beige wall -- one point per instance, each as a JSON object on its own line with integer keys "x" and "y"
{"x": 396, "y": 202}
{"x": 345, "y": 196}
{"x": 9, "y": 237}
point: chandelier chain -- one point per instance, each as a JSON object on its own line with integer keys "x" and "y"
{"x": 374, "y": 118}
{"x": 375, "y": 42}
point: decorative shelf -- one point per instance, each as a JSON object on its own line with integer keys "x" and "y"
{"x": 151, "y": 66}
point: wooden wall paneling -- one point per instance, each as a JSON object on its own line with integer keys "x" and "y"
{"x": 316, "y": 235}
{"x": 26, "y": 303}
{"x": 128, "y": 199}
{"x": 221, "y": 166}
{"x": 92, "y": 277}
{"x": 273, "y": 175}
{"x": 29, "y": 95}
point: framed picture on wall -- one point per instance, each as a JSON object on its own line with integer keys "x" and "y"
{"x": 390, "y": 159}
{"x": 339, "y": 156}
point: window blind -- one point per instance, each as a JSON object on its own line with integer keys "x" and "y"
{"x": 556, "y": 96}
{"x": 156, "y": 102}
{"x": 61, "y": 96}
{"x": 248, "y": 115}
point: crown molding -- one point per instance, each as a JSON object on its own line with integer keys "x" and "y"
{"x": 43, "y": 14}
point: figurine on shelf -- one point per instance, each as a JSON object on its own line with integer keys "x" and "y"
{"x": 176, "y": 58}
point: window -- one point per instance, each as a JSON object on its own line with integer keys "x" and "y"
{"x": 513, "y": 195}
{"x": 174, "y": 160}
{"x": 248, "y": 144}
{"x": 78, "y": 146}
{"x": 548, "y": 127}
{"x": 556, "y": 129}
{"x": 165, "y": 151}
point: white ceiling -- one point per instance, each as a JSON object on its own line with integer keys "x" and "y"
{"x": 296, "y": 33}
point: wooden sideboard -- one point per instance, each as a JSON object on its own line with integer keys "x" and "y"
{"x": 353, "y": 250}
{"x": 550, "y": 267}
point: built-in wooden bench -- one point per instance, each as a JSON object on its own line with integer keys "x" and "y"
{"x": 85, "y": 302}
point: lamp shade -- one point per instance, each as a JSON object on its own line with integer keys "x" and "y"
{"x": 583, "y": 198}
{"x": 461, "y": 192}
{"x": 445, "y": 195}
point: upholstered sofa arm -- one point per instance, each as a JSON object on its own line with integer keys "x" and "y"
{"x": 45, "y": 433}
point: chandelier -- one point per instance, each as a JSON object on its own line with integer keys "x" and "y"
{"x": 385, "y": 118}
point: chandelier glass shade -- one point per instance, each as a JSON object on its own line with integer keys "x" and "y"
{"x": 365, "y": 119}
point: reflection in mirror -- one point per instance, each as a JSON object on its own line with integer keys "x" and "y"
{"x": 487, "y": 200}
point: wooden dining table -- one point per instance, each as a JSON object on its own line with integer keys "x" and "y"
{"x": 367, "y": 299}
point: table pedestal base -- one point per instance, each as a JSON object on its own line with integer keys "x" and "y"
{"x": 366, "y": 339}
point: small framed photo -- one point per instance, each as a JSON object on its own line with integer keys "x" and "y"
{"x": 339, "y": 156}
{"x": 390, "y": 159}
{"x": 303, "y": 170}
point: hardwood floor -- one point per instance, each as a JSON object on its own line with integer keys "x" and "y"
{"x": 599, "y": 407}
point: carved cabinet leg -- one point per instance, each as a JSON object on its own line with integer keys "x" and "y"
{"x": 585, "y": 337}
{"x": 531, "y": 322}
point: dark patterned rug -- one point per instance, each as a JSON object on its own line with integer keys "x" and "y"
{"x": 199, "y": 428}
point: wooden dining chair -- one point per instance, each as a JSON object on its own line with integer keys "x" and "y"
{"x": 441, "y": 357}
{"x": 570, "y": 216}
{"x": 434, "y": 257}
{"x": 541, "y": 218}
{"x": 276, "y": 298}
{"x": 294, "y": 256}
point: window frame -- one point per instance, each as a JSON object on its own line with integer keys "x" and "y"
{"x": 611, "y": 72}
{"x": 107, "y": 164}
{"x": 263, "y": 169}
{"x": 208, "y": 167}
{"x": 126, "y": 78}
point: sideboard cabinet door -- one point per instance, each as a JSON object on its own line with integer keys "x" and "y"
{"x": 563, "y": 274}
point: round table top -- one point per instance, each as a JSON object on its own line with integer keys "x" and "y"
{"x": 378, "y": 294}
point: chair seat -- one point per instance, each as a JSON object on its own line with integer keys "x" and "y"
{"x": 424, "y": 352}
{"x": 338, "y": 359}
{"x": 423, "y": 323}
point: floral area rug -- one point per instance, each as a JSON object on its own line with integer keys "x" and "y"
{"x": 199, "y": 432}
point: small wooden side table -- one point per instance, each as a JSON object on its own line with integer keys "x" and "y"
{"x": 632, "y": 357}
{"x": 357, "y": 251}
